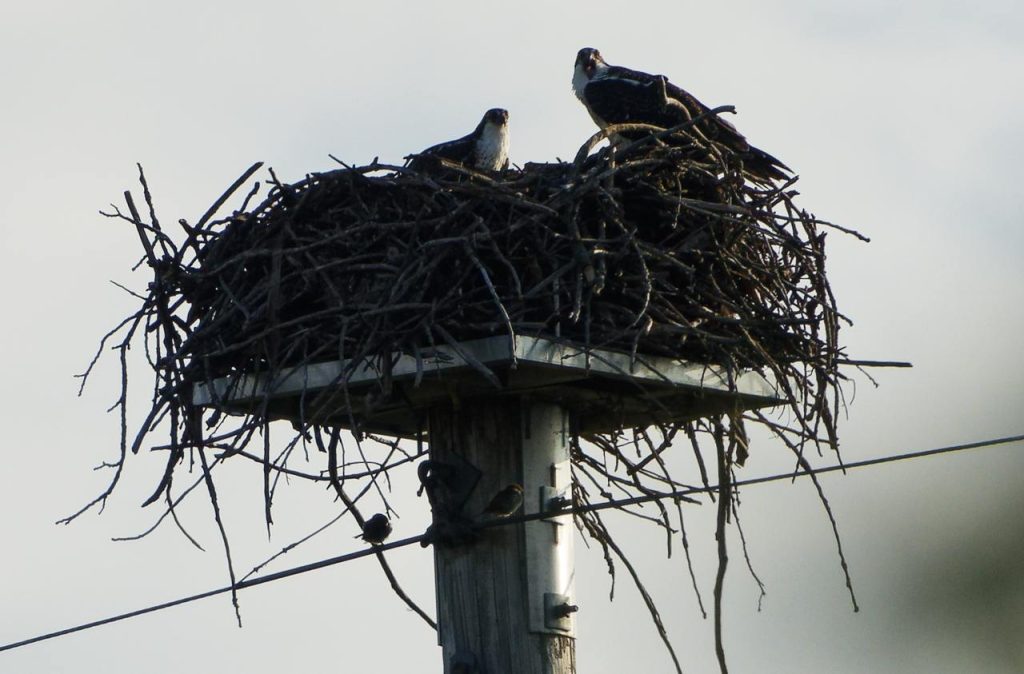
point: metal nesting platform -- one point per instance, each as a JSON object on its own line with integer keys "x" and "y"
{"x": 605, "y": 390}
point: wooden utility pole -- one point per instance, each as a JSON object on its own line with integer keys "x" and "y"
{"x": 505, "y": 602}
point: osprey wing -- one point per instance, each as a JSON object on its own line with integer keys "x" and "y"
{"x": 623, "y": 96}
{"x": 761, "y": 165}
{"x": 715, "y": 127}
{"x": 459, "y": 150}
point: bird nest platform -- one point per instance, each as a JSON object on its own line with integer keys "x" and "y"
{"x": 653, "y": 249}
{"x": 644, "y": 251}
{"x": 648, "y": 250}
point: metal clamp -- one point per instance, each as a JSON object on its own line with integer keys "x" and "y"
{"x": 553, "y": 499}
{"x": 558, "y": 611}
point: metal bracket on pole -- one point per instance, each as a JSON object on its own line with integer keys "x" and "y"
{"x": 547, "y": 478}
{"x": 558, "y": 612}
{"x": 554, "y": 498}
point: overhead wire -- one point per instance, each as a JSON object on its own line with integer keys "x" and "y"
{"x": 547, "y": 514}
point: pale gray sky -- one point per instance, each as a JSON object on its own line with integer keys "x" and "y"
{"x": 903, "y": 120}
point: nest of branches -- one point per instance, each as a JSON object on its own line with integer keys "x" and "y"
{"x": 649, "y": 253}
{"x": 659, "y": 248}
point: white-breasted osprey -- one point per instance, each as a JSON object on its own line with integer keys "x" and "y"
{"x": 616, "y": 95}
{"x": 486, "y": 149}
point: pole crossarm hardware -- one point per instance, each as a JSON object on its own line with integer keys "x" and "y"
{"x": 604, "y": 389}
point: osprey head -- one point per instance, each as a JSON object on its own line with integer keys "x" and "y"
{"x": 496, "y": 116}
{"x": 589, "y": 61}
{"x": 491, "y": 141}
{"x": 589, "y": 65}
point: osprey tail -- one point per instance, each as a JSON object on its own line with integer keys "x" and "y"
{"x": 763, "y": 167}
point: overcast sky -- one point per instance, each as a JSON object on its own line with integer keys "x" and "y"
{"x": 904, "y": 120}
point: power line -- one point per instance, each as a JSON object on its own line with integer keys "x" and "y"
{"x": 241, "y": 585}
{"x": 815, "y": 471}
{"x": 690, "y": 491}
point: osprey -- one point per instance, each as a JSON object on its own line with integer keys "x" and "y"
{"x": 616, "y": 95}
{"x": 486, "y": 149}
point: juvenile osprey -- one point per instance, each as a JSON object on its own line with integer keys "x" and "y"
{"x": 486, "y": 149}
{"x": 616, "y": 95}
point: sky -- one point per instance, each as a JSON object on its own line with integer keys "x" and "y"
{"x": 903, "y": 121}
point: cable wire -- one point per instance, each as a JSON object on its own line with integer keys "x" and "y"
{"x": 241, "y": 585}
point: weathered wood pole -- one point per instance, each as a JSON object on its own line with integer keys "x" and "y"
{"x": 504, "y": 602}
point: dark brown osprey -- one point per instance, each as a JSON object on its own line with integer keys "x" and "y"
{"x": 616, "y": 95}
{"x": 486, "y": 148}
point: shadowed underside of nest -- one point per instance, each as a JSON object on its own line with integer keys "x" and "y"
{"x": 663, "y": 249}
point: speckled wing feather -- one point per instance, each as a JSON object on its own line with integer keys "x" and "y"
{"x": 460, "y": 150}
{"x": 623, "y": 96}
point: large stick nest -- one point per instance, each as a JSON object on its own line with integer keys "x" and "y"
{"x": 661, "y": 248}
{"x": 648, "y": 253}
